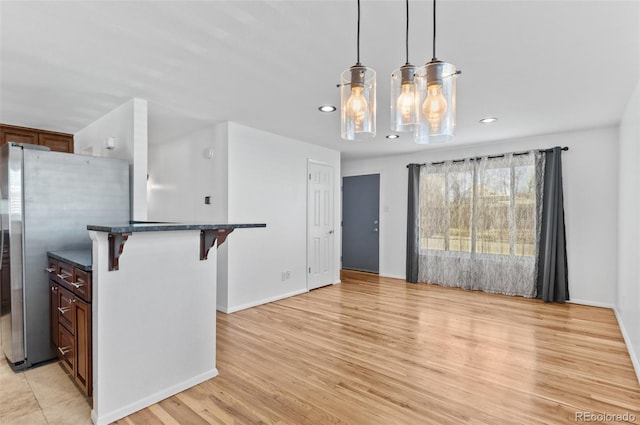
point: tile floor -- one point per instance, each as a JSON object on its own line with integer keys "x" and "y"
{"x": 40, "y": 396}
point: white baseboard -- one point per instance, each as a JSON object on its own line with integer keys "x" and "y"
{"x": 635, "y": 360}
{"x": 591, "y": 303}
{"x": 233, "y": 309}
{"x": 153, "y": 398}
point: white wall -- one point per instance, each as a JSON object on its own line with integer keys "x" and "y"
{"x": 591, "y": 199}
{"x": 127, "y": 124}
{"x": 628, "y": 299}
{"x": 268, "y": 184}
{"x": 181, "y": 174}
{"x": 254, "y": 177}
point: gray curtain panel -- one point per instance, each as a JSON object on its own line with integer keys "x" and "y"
{"x": 552, "y": 278}
{"x": 413, "y": 223}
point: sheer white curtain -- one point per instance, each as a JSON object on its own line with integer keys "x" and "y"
{"x": 478, "y": 223}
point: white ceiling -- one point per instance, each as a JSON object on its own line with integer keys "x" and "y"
{"x": 539, "y": 66}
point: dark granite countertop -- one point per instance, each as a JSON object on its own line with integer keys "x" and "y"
{"x": 139, "y": 226}
{"x": 80, "y": 258}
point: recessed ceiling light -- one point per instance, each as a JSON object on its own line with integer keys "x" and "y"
{"x": 327, "y": 108}
{"x": 392, "y": 136}
{"x": 488, "y": 120}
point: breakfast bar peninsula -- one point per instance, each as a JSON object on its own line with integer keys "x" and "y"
{"x": 154, "y": 312}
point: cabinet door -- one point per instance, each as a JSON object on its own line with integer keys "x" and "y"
{"x": 66, "y": 309}
{"x": 56, "y": 142}
{"x": 83, "y": 370}
{"x": 17, "y": 134}
{"x": 82, "y": 284}
{"x": 53, "y": 302}
{"x": 66, "y": 349}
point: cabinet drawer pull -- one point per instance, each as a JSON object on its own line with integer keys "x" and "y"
{"x": 64, "y": 350}
{"x": 78, "y": 284}
{"x": 63, "y": 310}
{"x": 50, "y": 269}
{"x": 63, "y": 276}
{"x": 54, "y": 288}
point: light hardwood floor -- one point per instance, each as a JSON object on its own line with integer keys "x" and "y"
{"x": 380, "y": 351}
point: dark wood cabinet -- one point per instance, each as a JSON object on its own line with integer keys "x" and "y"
{"x": 83, "y": 346}
{"x": 56, "y": 142}
{"x": 53, "y": 302}
{"x": 59, "y": 142}
{"x": 70, "y": 299}
{"x": 18, "y": 134}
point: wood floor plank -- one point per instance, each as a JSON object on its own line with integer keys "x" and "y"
{"x": 376, "y": 350}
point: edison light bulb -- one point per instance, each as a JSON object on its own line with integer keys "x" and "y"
{"x": 434, "y": 106}
{"x": 405, "y": 104}
{"x": 357, "y": 107}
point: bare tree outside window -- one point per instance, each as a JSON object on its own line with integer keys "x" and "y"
{"x": 478, "y": 221}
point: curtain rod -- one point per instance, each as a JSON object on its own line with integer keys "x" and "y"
{"x": 474, "y": 158}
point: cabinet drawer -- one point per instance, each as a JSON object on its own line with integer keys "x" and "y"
{"x": 64, "y": 275}
{"x": 82, "y": 284}
{"x": 66, "y": 309}
{"x": 74, "y": 279}
{"x": 52, "y": 268}
{"x": 66, "y": 349}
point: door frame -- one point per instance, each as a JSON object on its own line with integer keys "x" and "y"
{"x": 336, "y": 235}
{"x": 381, "y": 222}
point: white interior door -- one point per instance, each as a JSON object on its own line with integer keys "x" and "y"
{"x": 320, "y": 228}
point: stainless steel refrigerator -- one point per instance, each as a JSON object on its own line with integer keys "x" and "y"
{"x": 48, "y": 198}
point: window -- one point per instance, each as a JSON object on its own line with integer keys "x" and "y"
{"x": 483, "y": 206}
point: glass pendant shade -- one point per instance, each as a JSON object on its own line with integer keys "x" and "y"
{"x": 436, "y": 93}
{"x": 358, "y": 103}
{"x": 404, "y": 102}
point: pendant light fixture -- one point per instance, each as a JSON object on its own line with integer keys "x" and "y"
{"x": 436, "y": 91}
{"x": 403, "y": 92}
{"x": 358, "y": 99}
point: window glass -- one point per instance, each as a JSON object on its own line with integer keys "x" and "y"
{"x": 484, "y": 206}
{"x": 493, "y": 208}
{"x": 433, "y": 227}
{"x": 525, "y": 210}
{"x": 460, "y": 199}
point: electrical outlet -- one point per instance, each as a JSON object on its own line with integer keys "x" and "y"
{"x": 285, "y": 275}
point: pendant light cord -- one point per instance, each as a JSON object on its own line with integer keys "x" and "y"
{"x": 358, "y": 37}
{"x": 407, "y": 35}
{"x": 434, "y": 30}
